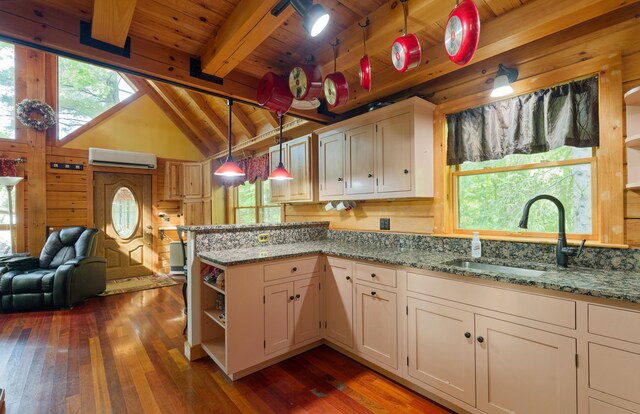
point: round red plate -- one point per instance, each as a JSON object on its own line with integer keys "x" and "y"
{"x": 365, "y": 73}
{"x": 336, "y": 89}
{"x": 406, "y": 53}
{"x": 462, "y": 33}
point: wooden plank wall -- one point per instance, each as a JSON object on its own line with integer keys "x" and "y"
{"x": 615, "y": 33}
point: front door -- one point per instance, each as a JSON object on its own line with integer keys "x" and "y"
{"x": 122, "y": 211}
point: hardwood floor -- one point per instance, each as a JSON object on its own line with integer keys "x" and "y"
{"x": 122, "y": 354}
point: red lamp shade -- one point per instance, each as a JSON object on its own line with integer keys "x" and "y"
{"x": 280, "y": 173}
{"x": 230, "y": 169}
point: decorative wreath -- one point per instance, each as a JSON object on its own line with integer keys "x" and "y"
{"x": 35, "y": 114}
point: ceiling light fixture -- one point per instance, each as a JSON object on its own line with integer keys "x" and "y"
{"x": 314, "y": 17}
{"x": 280, "y": 173}
{"x": 504, "y": 78}
{"x": 230, "y": 168}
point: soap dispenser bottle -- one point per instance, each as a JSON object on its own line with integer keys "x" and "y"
{"x": 476, "y": 246}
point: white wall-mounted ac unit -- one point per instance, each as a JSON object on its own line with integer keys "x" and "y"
{"x": 113, "y": 158}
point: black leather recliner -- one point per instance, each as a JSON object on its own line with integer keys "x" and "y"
{"x": 66, "y": 273}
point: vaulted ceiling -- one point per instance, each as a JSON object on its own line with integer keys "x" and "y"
{"x": 239, "y": 41}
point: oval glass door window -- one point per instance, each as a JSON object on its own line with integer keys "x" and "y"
{"x": 124, "y": 212}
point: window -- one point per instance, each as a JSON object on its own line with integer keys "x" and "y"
{"x": 491, "y": 194}
{"x": 86, "y": 91}
{"x": 5, "y": 234}
{"x": 124, "y": 212}
{"x": 252, "y": 204}
{"x": 7, "y": 91}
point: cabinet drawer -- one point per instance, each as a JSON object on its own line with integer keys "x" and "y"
{"x": 291, "y": 268}
{"x": 614, "y": 372}
{"x": 555, "y": 311}
{"x": 614, "y": 323}
{"x": 376, "y": 274}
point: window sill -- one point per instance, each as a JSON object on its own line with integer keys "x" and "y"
{"x": 543, "y": 240}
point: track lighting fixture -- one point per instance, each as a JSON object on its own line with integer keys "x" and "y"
{"x": 314, "y": 17}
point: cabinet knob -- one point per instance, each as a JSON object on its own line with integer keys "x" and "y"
{"x": 291, "y": 298}
{"x": 295, "y": 269}
{"x": 298, "y": 296}
{"x": 339, "y": 178}
{"x": 480, "y": 339}
{"x": 348, "y": 277}
{"x": 467, "y": 335}
{"x": 406, "y": 171}
{"x": 370, "y": 175}
{"x": 373, "y": 293}
{"x": 373, "y": 275}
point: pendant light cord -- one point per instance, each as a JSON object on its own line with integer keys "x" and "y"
{"x": 229, "y": 132}
{"x": 280, "y": 118}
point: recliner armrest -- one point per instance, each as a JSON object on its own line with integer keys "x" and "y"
{"x": 22, "y": 263}
{"x": 79, "y": 261}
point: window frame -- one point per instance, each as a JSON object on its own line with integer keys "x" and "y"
{"x": 455, "y": 173}
{"x": 256, "y": 207}
{"x": 15, "y": 94}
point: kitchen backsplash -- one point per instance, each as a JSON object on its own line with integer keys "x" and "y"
{"x": 593, "y": 257}
{"x": 243, "y": 236}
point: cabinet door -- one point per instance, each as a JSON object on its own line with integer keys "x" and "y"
{"x": 279, "y": 189}
{"x": 524, "y": 370}
{"x": 394, "y": 154}
{"x": 330, "y": 160}
{"x": 206, "y": 178}
{"x": 173, "y": 181}
{"x": 307, "y": 309}
{"x": 441, "y": 348}
{"x": 193, "y": 180}
{"x": 338, "y": 293}
{"x": 377, "y": 325}
{"x": 359, "y": 160}
{"x": 278, "y": 317}
{"x": 299, "y": 165}
{"x": 197, "y": 212}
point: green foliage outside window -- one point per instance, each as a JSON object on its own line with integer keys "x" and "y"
{"x": 253, "y": 204}
{"x": 495, "y": 200}
{"x": 84, "y": 92}
{"x": 7, "y": 91}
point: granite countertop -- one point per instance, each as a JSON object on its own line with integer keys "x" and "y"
{"x": 221, "y": 228}
{"x": 609, "y": 284}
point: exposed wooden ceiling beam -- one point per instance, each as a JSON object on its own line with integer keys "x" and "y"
{"x": 173, "y": 100}
{"x": 43, "y": 25}
{"x": 143, "y": 86}
{"x": 219, "y": 126}
{"x": 250, "y": 24}
{"x": 245, "y": 122}
{"x": 272, "y": 118}
{"x": 111, "y": 20}
{"x": 515, "y": 28}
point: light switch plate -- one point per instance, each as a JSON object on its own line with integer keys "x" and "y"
{"x": 263, "y": 237}
{"x": 385, "y": 224}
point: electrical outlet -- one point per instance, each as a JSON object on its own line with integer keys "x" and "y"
{"x": 385, "y": 224}
{"x": 263, "y": 237}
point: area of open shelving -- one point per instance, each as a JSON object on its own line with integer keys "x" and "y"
{"x": 214, "y": 314}
{"x": 216, "y": 349}
{"x": 214, "y": 287}
{"x": 632, "y": 142}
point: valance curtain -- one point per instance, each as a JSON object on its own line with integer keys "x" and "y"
{"x": 8, "y": 167}
{"x": 527, "y": 124}
{"x": 255, "y": 168}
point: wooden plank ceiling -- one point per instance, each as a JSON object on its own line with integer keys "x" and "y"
{"x": 239, "y": 40}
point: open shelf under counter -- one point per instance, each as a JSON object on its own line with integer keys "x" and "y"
{"x": 216, "y": 349}
{"x": 214, "y": 314}
{"x": 214, "y": 287}
{"x": 633, "y": 141}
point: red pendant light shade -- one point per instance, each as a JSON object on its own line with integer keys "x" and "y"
{"x": 280, "y": 173}
{"x": 229, "y": 168}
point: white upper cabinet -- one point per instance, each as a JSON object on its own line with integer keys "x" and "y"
{"x": 299, "y": 159}
{"x": 387, "y": 153}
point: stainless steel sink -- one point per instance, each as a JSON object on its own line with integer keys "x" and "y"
{"x": 517, "y": 271}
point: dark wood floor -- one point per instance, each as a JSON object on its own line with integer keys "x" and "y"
{"x": 123, "y": 354}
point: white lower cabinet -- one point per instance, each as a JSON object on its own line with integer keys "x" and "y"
{"x": 441, "y": 348}
{"x": 291, "y": 314}
{"x": 338, "y": 292}
{"x": 524, "y": 370}
{"x": 377, "y": 325}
